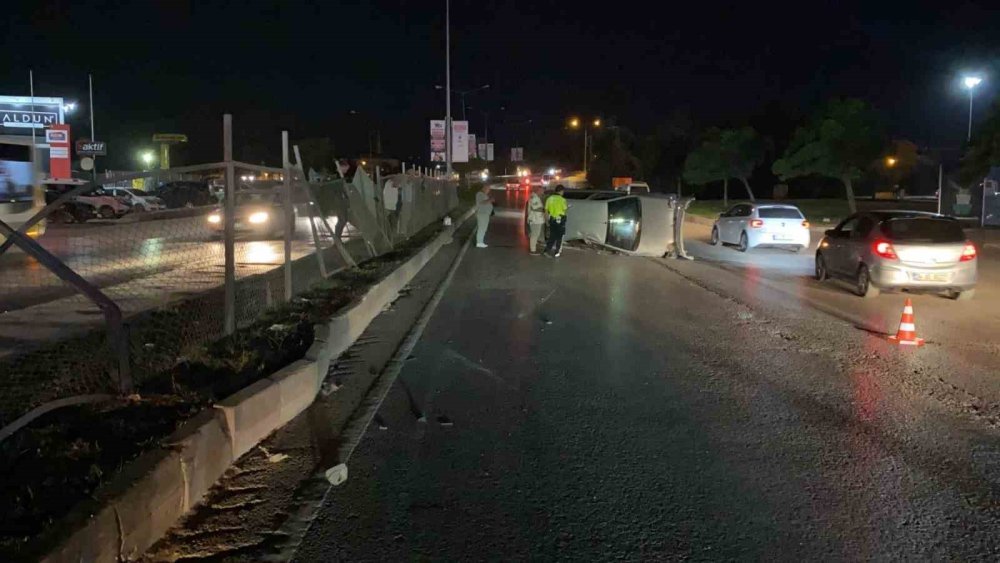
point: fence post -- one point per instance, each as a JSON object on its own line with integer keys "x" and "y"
{"x": 289, "y": 214}
{"x": 229, "y": 224}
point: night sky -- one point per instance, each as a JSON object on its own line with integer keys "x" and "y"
{"x": 176, "y": 66}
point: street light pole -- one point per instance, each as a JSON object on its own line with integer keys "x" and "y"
{"x": 447, "y": 85}
{"x": 971, "y": 82}
{"x": 90, "y": 81}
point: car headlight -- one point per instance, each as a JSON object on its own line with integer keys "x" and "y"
{"x": 215, "y": 218}
{"x": 258, "y": 217}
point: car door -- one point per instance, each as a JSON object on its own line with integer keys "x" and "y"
{"x": 725, "y": 222}
{"x": 740, "y": 223}
{"x": 856, "y": 248}
{"x": 838, "y": 242}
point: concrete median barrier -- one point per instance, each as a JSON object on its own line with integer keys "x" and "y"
{"x": 155, "y": 491}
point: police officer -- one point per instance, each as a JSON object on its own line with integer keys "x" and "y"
{"x": 555, "y": 208}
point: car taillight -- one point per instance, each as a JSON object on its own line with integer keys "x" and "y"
{"x": 969, "y": 252}
{"x": 805, "y": 224}
{"x": 884, "y": 249}
{"x": 756, "y": 223}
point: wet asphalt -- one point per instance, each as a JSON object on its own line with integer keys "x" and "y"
{"x": 598, "y": 407}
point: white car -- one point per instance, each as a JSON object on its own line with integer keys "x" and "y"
{"x": 749, "y": 225}
{"x": 138, "y": 199}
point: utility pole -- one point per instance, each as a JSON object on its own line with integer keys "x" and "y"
{"x": 447, "y": 85}
{"x": 90, "y": 80}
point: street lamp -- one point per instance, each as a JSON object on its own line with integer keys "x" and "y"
{"x": 463, "y": 93}
{"x": 890, "y": 161}
{"x": 574, "y": 123}
{"x": 970, "y": 83}
{"x": 147, "y": 158}
{"x": 70, "y": 107}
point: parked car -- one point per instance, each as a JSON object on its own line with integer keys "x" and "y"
{"x": 186, "y": 193}
{"x": 258, "y": 212}
{"x": 106, "y": 206}
{"x": 898, "y": 250}
{"x": 70, "y": 211}
{"x": 749, "y": 225}
{"x": 139, "y": 200}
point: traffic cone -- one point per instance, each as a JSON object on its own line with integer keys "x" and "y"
{"x": 907, "y": 332}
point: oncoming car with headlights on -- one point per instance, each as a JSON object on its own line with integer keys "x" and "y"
{"x": 259, "y": 213}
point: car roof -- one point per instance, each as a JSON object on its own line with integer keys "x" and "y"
{"x": 905, "y": 214}
{"x": 779, "y": 205}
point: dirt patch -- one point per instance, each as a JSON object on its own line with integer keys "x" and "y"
{"x": 61, "y": 459}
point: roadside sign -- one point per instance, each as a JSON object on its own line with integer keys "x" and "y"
{"x": 489, "y": 152}
{"x": 57, "y": 137}
{"x": 91, "y": 148}
{"x": 473, "y": 152}
{"x": 169, "y": 138}
{"x": 438, "y": 140}
{"x": 460, "y": 141}
{"x": 517, "y": 154}
{"x": 20, "y": 114}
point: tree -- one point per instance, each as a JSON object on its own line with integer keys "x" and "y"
{"x": 984, "y": 150}
{"x": 840, "y": 142}
{"x": 725, "y": 154}
{"x": 613, "y": 157}
{"x": 899, "y": 163}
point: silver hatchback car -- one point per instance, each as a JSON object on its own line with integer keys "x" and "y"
{"x": 899, "y": 250}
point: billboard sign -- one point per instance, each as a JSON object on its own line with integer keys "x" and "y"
{"x": 473, "y": 153}
{"x": 91, "y": 148}
{"x": 517, "y": 154}
{"x": 59, "y": 161}
{"x": 20, "y": 114}
{"x": 489, "y": 152}
{"x": 460, "y": 141}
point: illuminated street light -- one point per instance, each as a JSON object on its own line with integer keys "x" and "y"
{"x": 971, "y": 82}
{"x": 70, "y": 107}
{"x": 574, "y": 123}
{"x": 890, "y": 161}
{"x": 147, "y": 158}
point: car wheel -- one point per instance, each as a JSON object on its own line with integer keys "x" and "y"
{"x": 106, "y": 212}
{"x": 863, "y": 284}
{"x": 744, "y": 243}
{"x": 821, "y": 272}
{"x": 715, "y": 236}
{"x": 962, "y": 295}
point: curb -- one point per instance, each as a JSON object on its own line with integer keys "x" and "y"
{"x": 157, "y": 489}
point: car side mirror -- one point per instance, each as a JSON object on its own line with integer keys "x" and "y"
{"x": 830, "y": 233}
{"x": 721, "y": 215}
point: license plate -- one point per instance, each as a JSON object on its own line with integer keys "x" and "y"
{"x": 931, "y": 277}
{"x": 782, "y": 237}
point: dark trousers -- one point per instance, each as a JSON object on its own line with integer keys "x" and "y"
{"x": 557, "y": 228}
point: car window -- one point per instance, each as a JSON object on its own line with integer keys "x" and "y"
{"x": 744, "y": 211}
{"x": 779, "y": 213}
{"x": 847, "y": 225}
{"x": 731, "y": 212}
{"x": 863, "y": 228}
{"x": 923, "y": 229}
{"x": 623, "y": 223}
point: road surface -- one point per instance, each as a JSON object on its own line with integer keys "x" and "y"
{"x": 140, "y": 266}
{"x": 598, "y": 407}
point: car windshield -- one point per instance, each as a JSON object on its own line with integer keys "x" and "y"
{"x": 779, "y": 213}
{"x": 923, "y": 229}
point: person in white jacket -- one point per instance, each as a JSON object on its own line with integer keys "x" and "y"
{"x": 484, "y": 210}
{"x": 536, "y": 220}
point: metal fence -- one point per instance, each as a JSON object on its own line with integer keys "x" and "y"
{"x": 98, "y": 304}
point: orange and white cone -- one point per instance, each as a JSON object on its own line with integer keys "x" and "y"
{"x": 907, "y": 332}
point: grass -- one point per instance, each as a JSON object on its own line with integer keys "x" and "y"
{"x": 817, "y": 211}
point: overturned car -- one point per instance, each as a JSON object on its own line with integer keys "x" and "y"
{"x": 640, "y": 224}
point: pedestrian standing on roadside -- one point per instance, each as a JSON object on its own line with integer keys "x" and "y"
{"x": 555, "y": 208}
{"x": 536, "y": 220}
{"x": 484, "y": 210}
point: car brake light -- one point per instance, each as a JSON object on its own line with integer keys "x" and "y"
{"x": 884, "y": 249}
{"x": 969, "y": 252}
{"x": 756, "y": 223}
{"x": 805, "y": 224}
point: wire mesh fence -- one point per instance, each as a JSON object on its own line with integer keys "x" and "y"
{"x": 163, "y": 258}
